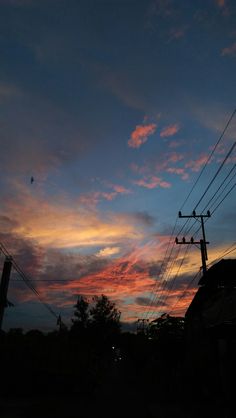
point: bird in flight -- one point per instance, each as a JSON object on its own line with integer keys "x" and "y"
{"x": 31, "y": 180}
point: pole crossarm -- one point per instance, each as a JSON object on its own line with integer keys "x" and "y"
{"x": 189, "y": 242}
{"x": 194, "y": 215}
{"x": 202, "y": 241}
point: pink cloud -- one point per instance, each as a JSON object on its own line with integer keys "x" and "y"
{"x": 108, "y": 195}
{"x": 119, "y": 189}
{"x": 152, "y": 183}
{"x": 169, "y": 130}
{"x": 140, "y": 135}
{"x": 230, "y": 50}
{"x": 196, "y": 165}
{"x": 175, "y": 157}
{"x": 139, "y": 169}
{"x": 93, "y": 198}
{"x": 179, "y": 171}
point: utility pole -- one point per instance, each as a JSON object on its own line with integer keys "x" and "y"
{"x": 202, "y": 241}
{"x": 4, "y": 286}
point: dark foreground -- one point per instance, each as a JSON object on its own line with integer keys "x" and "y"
{"x": 117, "y": 395}
{"x": 66, "y": 378}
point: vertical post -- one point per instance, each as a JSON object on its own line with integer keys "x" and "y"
{"x": 4, "y": 287}
{"x": 204, "y": 237}
{"x": 203, "y": 254}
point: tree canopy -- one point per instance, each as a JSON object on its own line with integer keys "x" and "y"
{"x": 100, "y": 317}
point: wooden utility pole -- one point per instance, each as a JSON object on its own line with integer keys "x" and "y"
{"x": 202, "y": 241}
{"x": 4, "y": 286}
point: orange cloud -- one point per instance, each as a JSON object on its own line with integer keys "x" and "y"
{"x": 123, "y": 279}
{"x": 91, "y": 199}
{"x": 169, "y": 130}
{"x": 152, "y": 183}
{"x": 61, "y": 225}
{"x": 132, "y": 281}
{"x": 140, "y": 135}
{"x": 230, "y": 50}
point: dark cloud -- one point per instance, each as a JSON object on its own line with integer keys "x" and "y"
{"x": 183, "y": 282}
{"x": 68, "y": 266}
{"x": 144, "y": 218}
{"x": 26, "y": 254}
{"x": 7, "y": 224}
{"x": 143, "y": 301}
{"x": 154, "y": 269}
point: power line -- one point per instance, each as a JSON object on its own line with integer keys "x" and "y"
{"x": 214, "y": 201}
{"x": 209, "y": 158}
{"x": 216, "y": 174}
{"x": 226, "y": 252}
{"x": 177, "y": 274}
{"x": 26, "y": 280}
{"x": 224, "y": 198}
{"x": 194, "y": 185}
{"x": 185, "y": 290}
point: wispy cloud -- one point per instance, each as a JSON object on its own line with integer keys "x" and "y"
{"x": 214, "y": 116}
{"x": 91, "y": 199}
{"x": 170, "y": 130}
{"x": 64, "y": 225}
{"x": 152, "y": 182}
{"x": 153, "y": 170}
{"x": 118, "y": 189}
{"x": 179, "y": 171}
{"x": 196, "y": 165}
{"x": 140, "y": 135}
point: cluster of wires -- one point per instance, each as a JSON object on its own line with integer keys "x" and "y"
{"x": 28, "y": 282}
{"x": 175, "y": 258}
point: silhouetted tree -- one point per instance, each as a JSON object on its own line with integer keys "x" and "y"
{"x": 81, "y": 315}
{"x": 105, "y": 318}
{"x": 167, "y": 326}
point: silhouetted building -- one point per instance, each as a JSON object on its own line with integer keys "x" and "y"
{"x": 211, "y": 330}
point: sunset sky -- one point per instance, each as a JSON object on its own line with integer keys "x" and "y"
{"x": 113, "y": 106}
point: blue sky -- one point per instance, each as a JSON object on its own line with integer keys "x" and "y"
{"x": 113, "y": 107}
